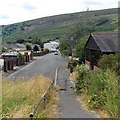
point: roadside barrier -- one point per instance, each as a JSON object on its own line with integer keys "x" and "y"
{"x": 42, "y": 104}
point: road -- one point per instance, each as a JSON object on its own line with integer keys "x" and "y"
{"x": 46, "y": 65}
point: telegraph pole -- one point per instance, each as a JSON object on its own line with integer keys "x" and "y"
{"x": 72, "y": 44}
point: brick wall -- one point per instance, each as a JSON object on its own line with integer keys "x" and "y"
{"x": 96, "y": 68}
{"x": 87, "y": 64}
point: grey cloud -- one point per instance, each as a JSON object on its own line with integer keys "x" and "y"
{"x": 28, "y": 6}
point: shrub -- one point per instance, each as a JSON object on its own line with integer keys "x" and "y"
{"x": 80, "y": 83}
{"x": 111, "y": 92}
{"x": 96, "y": 87}
{"x": 101, "y": 88}
{"x": 110, "y": 62}
{"x": 28, "y": 47}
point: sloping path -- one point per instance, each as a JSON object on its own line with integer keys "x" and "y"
{"x": 69, "y": 107}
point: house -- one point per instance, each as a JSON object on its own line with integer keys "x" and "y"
{"x": 13, "y": 59}
{"x": 14, "y": 47}
{"x": 98, "y": 44}
{"x": 21, "y": 47}
{"x": 1, "y": 63}
{"x": 10, "y": 60}
{"x": 52, "y": 45}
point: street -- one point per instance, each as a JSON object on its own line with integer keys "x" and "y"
{"x": 44, "y": 65}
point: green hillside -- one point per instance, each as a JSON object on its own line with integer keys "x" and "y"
{"x": 57, "y": 26}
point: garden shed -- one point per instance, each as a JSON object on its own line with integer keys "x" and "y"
{"x": 98, "y": 44}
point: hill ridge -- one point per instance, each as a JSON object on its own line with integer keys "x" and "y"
{"x": 50, "y": 27}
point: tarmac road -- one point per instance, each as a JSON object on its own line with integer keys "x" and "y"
{"x": 44, "y": 65}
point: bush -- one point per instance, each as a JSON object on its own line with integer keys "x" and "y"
{"x": 110, "y": 62}
{"x": 111, "y": 92}
{"x": 101, "y": 88}
{"x": 96, "y": 87}
{"x": 80, "y": 83}
{"x": 28, "y": 47}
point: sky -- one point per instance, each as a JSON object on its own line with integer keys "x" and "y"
{"x": 13, "y": 11}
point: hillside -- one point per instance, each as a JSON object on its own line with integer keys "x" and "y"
{"x": 57, "y": 26}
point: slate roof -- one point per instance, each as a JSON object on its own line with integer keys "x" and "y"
{"x": 20, "y": 45}
{"x": 12, "y": 46}
{"x": 9, "y": 46}
{"x": 106, "y": 41}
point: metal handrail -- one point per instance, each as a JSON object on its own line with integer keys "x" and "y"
{"x": 44, "y": 95}
{"x": 41, "y": 100}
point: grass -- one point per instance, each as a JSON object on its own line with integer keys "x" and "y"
{"x": 50, "y": 110}
{"x": 19, "y": 98}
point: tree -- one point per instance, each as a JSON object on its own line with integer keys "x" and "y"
{"x": 77, "y": 32}
{"x": 4, "y": 50}
{"x": 28, "y": 47}
{"x": 20, "y": 41}
{"x": 35, "y": 48}
{"x": 65, "y": 47}
{"x": 79, "y": 49}
{"x": 39, "y": 42}
{"x": 22, "y": 28}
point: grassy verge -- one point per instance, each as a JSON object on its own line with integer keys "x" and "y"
{"x": 98, "y": 91}
{"x": 51, "y": 108}
{"x": 19, "y": 98}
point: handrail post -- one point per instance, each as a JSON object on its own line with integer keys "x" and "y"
{"x": 31, "y": 116}
{"x": 56, "y": 75}
{"x": 44, "y": 98}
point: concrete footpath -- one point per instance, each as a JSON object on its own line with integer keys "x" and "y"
{"x": 68, "y": 106}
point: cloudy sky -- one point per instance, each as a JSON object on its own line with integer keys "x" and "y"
{"x": 12, "y": 11}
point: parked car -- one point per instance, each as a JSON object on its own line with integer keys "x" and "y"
{"x": 56, "y": 53}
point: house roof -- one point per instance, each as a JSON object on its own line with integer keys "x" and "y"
{"x": 8, "y": 46}
{"x": 12, "y": 46}
{"x": 20, "y": 45}
{"x": 106, "y": 41}
{"x": 9, "y": 54}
